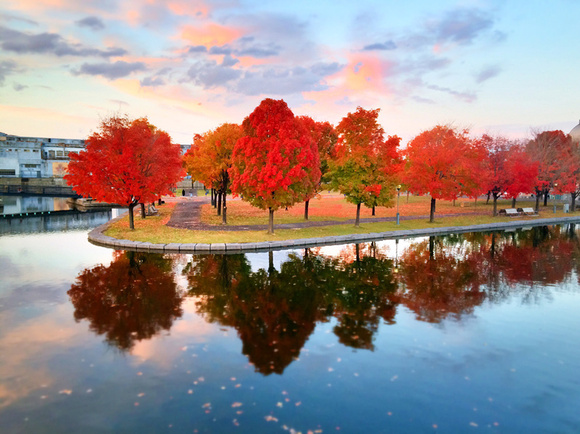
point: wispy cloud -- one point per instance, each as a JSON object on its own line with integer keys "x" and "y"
{"x": 91, "y": 22}
{"x": 50, "y": 43}
{"x": 487, "y": 73}
{"x": 111, "y": 71}
{"x": 380, "y": 46}
{"x": 7, "y": 67}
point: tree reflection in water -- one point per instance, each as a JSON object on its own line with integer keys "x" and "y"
{"x": 437, "y": 281}
{"x": 275, "y": 311}
{"x": 132, "y": 299}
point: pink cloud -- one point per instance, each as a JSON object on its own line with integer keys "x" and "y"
{"x": 210, "y": 34}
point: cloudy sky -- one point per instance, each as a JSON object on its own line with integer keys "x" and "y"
{"x": 507, "y": 67}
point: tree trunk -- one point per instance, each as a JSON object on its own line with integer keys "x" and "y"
{"x": 224, "y": 211}
{"x": 453, "y": 202}
{"x": 488, "y": 196}
{"x": 271, "y": 221}
{"x": 373, "y": 210}
{"x": 219, "y": 203}
{"x": 407, "y": 197}
{"x": 142, "y": 210}
{"x": 432, "y": 211}
{"x": 537, "y": 201}
{"x": 131, "y": 219}
{"x": 494, "y": 205}
{"x": 159, "y": 201}
{"x": 213, "y": 197}
{"x": 513, "y": 202}
{"x": 306, "y": 209}
{"x": 357, "y": 221}
{"x": 573, "y": 204}
{"x": 271, "y": 268}
{"x": 546, "y": 197}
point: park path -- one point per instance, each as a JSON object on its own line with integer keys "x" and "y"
{"x": 187, "y": 215}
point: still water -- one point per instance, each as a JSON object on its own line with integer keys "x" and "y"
{"x": 449, "y": 334}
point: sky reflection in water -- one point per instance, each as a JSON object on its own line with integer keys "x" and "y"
{"x": 453, "y": 333}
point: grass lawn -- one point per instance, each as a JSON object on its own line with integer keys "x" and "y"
{"x": 334, "y": 207}
{"x": 328, "y": 207}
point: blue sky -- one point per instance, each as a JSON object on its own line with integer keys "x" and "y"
{"x": 501, "y": 67}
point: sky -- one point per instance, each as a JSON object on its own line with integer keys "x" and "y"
{"x": 498, "y": 67}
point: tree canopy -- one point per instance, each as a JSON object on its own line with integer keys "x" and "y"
{"x": 126, "y": 162}
{"x": 275, "y": 163}
{"x": 210, "y": 159}
{"x": 444, "y": 163}
{"x": 366, "y": 165}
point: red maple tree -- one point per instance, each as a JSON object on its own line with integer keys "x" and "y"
{"x": 275, "y": 163}
{"x": 366, "y": 166}
{"x": 523, "y": 173}
{"x": 126, "y": 162}
{"x": 510, "y": 171}
{"x": 553, "y": 151}
{"x": 325, "y": 137}
{"x": 444, "y": 163}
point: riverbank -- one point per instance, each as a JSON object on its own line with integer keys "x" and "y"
{"x": 98, "y": 237}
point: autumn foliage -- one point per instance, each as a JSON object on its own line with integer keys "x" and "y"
{"x": 275, "y": 163}
{"x": 366, "y": 165}
{"x": 510, "y": 171}
{"x": 556, "y": 156}
{"x": 210, "y": 159}
{"x": 444, "y": 163}
{"x": 325, "y": 138}
{"x": 126, "y": 162}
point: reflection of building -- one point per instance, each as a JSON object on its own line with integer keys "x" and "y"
{"x": 575, "y": 133}
{"x": 35, "y": 157}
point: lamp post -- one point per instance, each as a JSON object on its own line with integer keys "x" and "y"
{"x": 398, "y": 194}
{"x": 555, "y": 185}
{"x": 396, "y": 270}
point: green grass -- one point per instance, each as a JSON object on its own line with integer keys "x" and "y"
{"x": 154, "y": 230}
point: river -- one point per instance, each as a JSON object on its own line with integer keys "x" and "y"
{"x": 451, "y": 334}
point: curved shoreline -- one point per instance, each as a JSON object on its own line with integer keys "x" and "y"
{"x": 97, "y": 237}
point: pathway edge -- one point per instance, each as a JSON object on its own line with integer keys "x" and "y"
{"x": 97, "y": 237}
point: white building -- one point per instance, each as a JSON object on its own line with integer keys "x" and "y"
{"x": 575, "y": 133}
{"x": 35, "y": 157}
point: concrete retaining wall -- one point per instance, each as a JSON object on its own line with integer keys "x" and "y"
{"x": 96, "y": 236}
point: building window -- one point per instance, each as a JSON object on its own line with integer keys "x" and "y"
{"x": 7, "y": 172}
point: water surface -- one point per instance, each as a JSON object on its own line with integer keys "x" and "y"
{"x": 453, "y": 334}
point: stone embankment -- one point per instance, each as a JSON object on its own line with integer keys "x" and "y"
{"x": 97, "y": 237}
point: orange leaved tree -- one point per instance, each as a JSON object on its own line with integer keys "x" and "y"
{"x": 366, "y": 166}
{"x": 446, "y": 164}
{"x": 210, "y": 158}
{"x": 126, "y": 162}
{"x": 275, "y": 163}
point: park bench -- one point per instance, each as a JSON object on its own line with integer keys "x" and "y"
{"x": 527, "y": 211}
{"x": 511, "y": 212}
